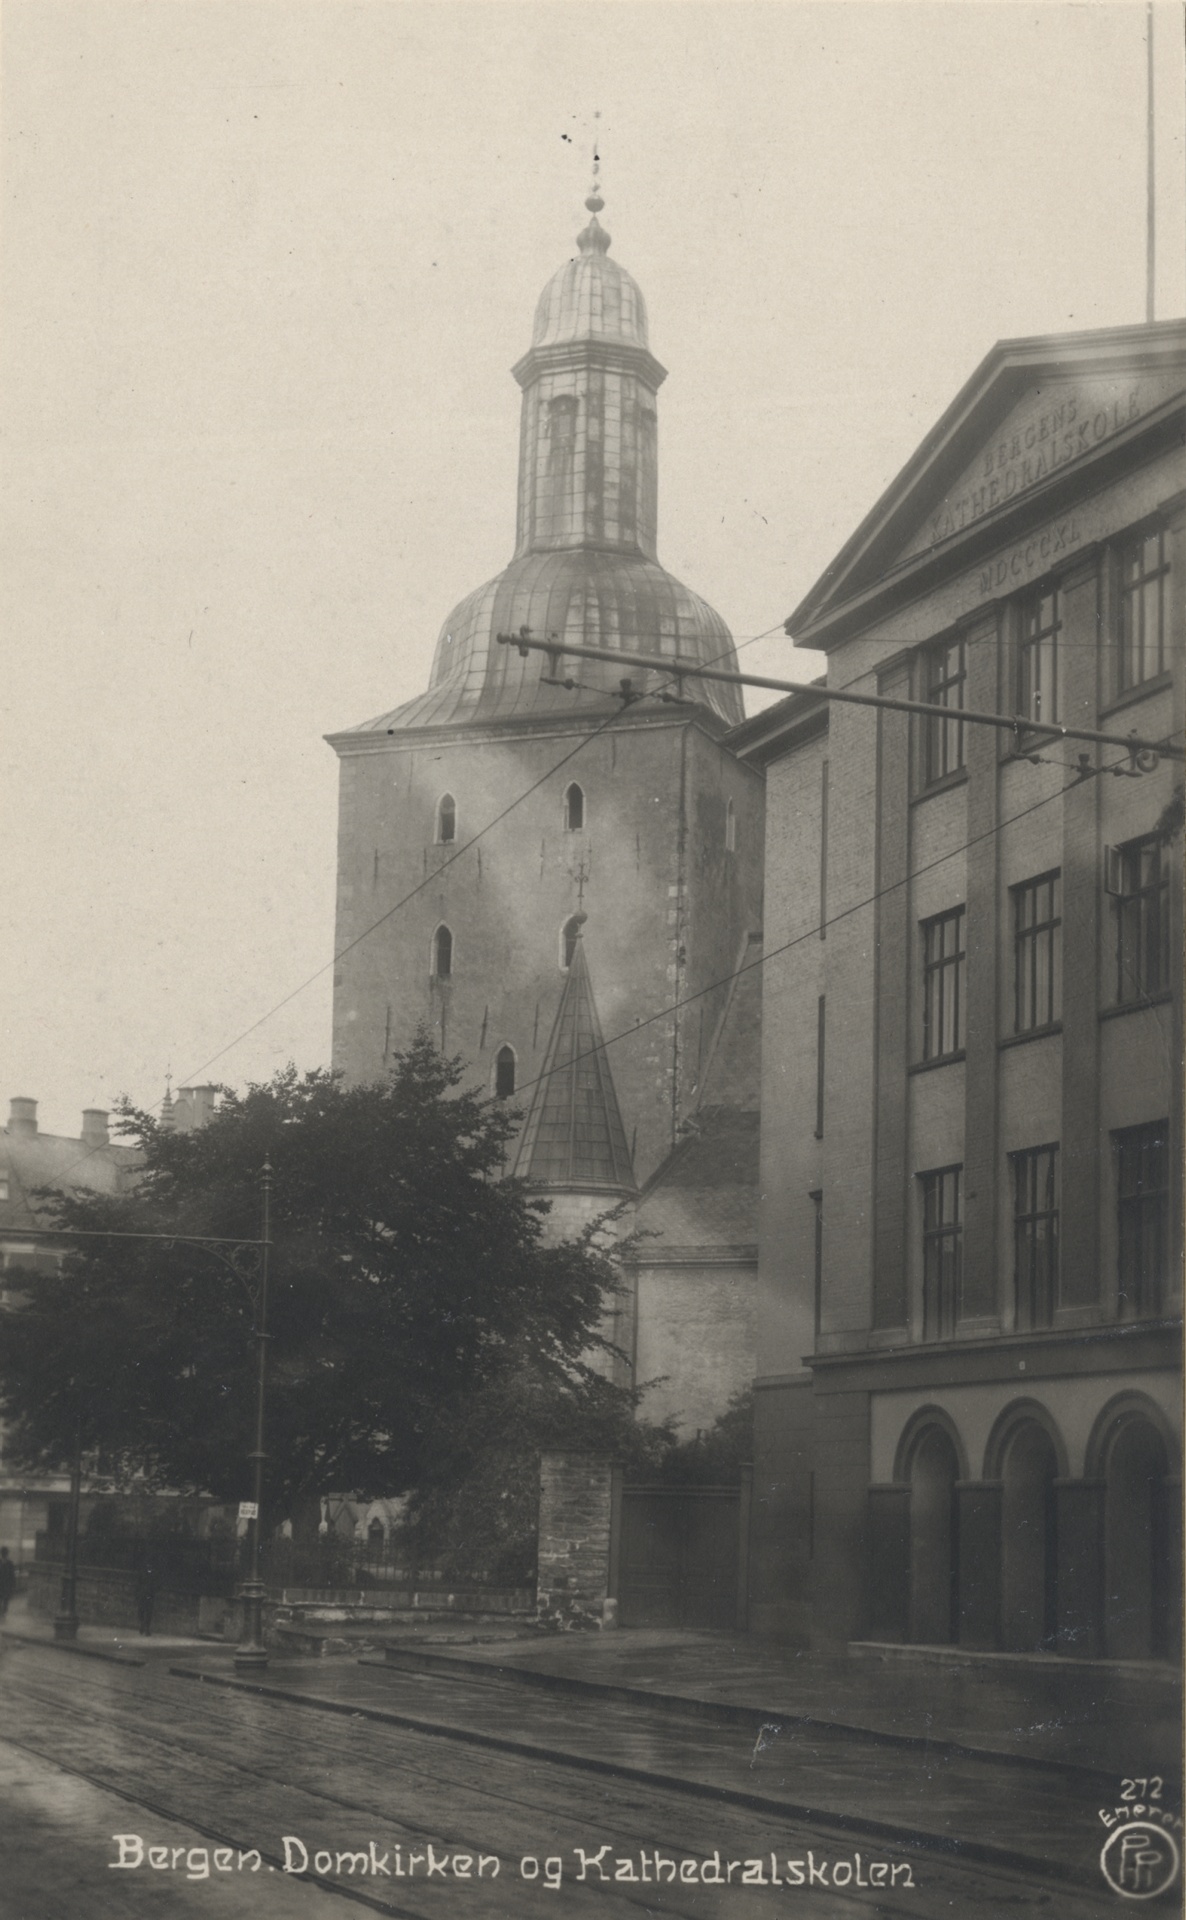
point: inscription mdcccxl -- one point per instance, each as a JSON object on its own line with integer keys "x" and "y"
{"x": 1010, "y": 568}
{"x": 1031, "y": 452}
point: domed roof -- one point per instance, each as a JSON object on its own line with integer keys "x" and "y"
{"x": 584, "y": 571}
{"x": 588, "y": 598}
{"x": 591, "y": 298}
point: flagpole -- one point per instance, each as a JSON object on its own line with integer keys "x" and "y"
{"x": 1149, "y": 175}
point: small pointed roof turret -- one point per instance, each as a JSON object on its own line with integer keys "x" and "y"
{"x": 574, "y": 1137}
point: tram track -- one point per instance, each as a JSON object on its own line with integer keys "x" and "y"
{"x": 518, "y": 1785}
{"x": 216, "y": 1836}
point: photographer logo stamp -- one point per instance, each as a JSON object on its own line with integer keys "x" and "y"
{"x": 1141, "y": 1857}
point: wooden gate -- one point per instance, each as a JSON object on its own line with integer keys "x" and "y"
{"x": 681, "y": 1557}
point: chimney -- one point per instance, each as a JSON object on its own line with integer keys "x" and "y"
{"x": 22, "y": 1118}
{"x": 94, "y": 1127}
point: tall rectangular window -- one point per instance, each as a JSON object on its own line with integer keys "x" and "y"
{"x": 1037, "y": 953}
{"x": 941, "y": 684}
{"x": 1037, "y": 656}
{"x": 1035, "y": 1235}
{"x": 1144, "y": 609}
{"x": 942, "y": 1251}
{"x": 1138, "y": 876}
{"x": 943, "y": 963}
{"x": 1143, "y": 1217}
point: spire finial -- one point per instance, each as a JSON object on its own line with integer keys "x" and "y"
{"x": 594, "y": 238}
{"x": 594, "y": 201}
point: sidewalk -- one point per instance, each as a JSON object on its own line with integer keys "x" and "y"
{"x": 121, "y": 1644}
{"x": 1006, "y": 1763}
{"x": 607, "y": 1705}
{"x": 1108, "y": 1719}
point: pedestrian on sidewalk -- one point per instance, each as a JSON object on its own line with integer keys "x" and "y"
{"x": 146, "y": 1585}
{"x": 7, "y": 1581}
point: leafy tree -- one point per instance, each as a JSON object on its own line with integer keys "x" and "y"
{"x": 409, "y": 1280}
{"x": 475, "y": 1511}
{"x": 715, "y": 1456}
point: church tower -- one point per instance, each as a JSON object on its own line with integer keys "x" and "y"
{"x": 566, "y": 862}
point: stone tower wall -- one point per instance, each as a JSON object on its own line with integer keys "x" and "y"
{"x": 669, "y": 903}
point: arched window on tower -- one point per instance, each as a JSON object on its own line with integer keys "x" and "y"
{"x": 446, "y": 819}
{"x": 730, "y": 828}
{"x": 569, "y": 933}
{"x": 574, "y": 808}
{"x": 504, "y": 1072}
{"x": 442, "y": 953}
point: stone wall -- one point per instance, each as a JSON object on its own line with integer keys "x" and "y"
{"x": 575, "y": 1531}
{"x": 106, "y": 1597}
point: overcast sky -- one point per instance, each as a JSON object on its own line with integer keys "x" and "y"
{"x": 266, "y": 270}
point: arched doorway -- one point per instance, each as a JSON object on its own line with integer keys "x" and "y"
{"x": 1029, "y": 1544}
{"x": 1139, "y": 1575}
{"x": 934, "y": 1470}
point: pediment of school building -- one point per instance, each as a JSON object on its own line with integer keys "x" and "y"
{"x": 1041, "y": 422}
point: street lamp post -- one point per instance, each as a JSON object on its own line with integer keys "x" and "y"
{"x": 251, "y": 1654}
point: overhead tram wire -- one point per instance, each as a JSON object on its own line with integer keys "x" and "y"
{"x": 431, "y": 879}
{"x": 968, "y": 716}
{"x": 814, "y": 932}
{"x": 673, "y": 675}
{"x": 809, "y": 933}
{"x": 595, "y": 733}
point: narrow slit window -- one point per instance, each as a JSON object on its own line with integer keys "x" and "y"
{"x": 442, "y": 953}
{"x": 504, "y": 1072}
{"x": 574, "y": 808}
{"x": 446, "y": 819}
{"x": 730, "y": 828}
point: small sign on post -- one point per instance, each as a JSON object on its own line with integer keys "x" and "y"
{"x": 248, "y": 1510}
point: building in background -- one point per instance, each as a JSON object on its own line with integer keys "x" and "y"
{"x": 31, "y": 1161}
{"x": 969, "y": 1404}
{"x": 578, "y": 955}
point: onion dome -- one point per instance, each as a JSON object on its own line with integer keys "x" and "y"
{"x": 585, "y": 569}
{"x": 589, "y": 599}
{"x": 591, "y": 298}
